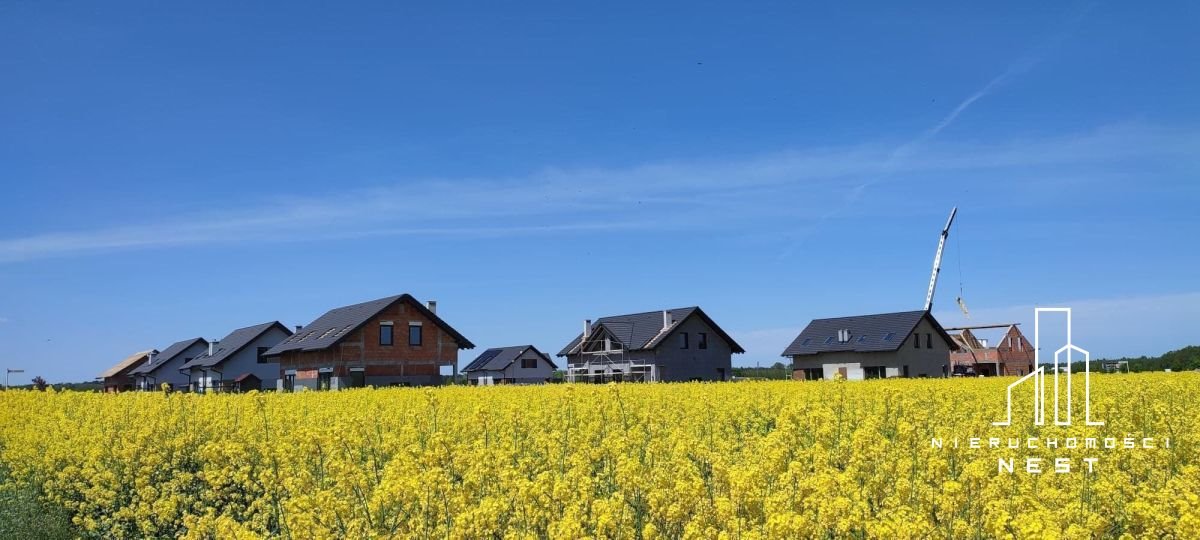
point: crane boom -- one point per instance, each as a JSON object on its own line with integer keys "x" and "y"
{"x": 937, "y": 259}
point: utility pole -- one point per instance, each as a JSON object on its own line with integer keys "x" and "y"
{"x": 8, "y": 372}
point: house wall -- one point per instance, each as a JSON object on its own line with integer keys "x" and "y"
{"x": 383, "y": 365}
{"x": 675, "y": 363}
{"x": 921, "y": 362}
{"x": 169, "y": 371}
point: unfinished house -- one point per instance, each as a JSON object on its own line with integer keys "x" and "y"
{"x": 520, "y": 364}
{"x": 1008, "y": 353}
{"x": 386, "y": 342}
{"x": 241, "y": 352}
{"x": 905, "y": 344}
{"x": 119, "y": 378}
{"x": 670, "y": 345}
{"x": 163, "y": 367}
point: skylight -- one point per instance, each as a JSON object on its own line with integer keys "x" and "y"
{"x": 829, "y": 340}
{"x": 862, "y": 338}
{"x": 889, "y": 336}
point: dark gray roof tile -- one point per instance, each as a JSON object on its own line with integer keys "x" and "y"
{"x": 231, "y": 344}
{"x": 336, "y": 323}
{"x": 868, "y": 333}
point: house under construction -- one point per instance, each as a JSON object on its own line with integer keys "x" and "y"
{"x": 1011, "y": 354}
{"x": 670, "y": 345}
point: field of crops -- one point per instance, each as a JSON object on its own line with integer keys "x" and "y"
{"x": 736, "y": 460}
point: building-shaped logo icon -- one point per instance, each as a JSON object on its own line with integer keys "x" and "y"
{"x": 1062, "y": 366}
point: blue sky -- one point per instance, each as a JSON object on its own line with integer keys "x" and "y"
{"x": 177, "y": 171}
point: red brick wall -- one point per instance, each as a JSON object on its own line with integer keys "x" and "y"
{"x": 361, "y": 348}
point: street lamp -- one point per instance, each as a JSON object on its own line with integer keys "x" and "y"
{"x": 8, "y": 372}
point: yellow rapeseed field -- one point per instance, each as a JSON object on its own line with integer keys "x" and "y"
{"x": 701, "y": 460}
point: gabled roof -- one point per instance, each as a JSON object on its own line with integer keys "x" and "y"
{"x": 336, "y": 324}
{"x": 234, "y": 342}
{"x": 868, "y": 333}
{"x": 499, "y": 358}
{"x": 640, "y": 331}
{"x": 166, "y": 355}
{"x": 126, "y": 363}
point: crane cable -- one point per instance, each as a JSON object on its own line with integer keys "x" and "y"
{"x": 958, "y": 253}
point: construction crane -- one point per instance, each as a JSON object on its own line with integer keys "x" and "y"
{"x": 937, "y": 262}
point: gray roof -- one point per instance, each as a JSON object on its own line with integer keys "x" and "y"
{"x": 496, "y": 359}
{"x": 166, "y": 355}
{"x": 337, "y": 323}
{"x": 234, "y": 342}
{"x": 868, "y": 333}
{"x": 645, "y": 330}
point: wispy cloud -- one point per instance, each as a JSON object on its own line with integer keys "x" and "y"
{"x": 661, "y": 196}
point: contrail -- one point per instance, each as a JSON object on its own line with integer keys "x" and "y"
{"x": 897, "y": 155}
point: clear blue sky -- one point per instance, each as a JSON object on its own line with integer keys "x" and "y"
{"x": 176, "y": 171}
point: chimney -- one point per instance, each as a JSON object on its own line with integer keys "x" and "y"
{"x": 150, "y": 357}
{"x": 667, "y": 319}
{"x": 299, "y": 327}
{"x": 212, "y": 347}
{"x": 587, "y": 329}
{"x": 432, "y": 305}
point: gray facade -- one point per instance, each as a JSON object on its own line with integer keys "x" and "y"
{"x": 670, "y": 346}
{"x": 511, "y": 365}
{"x": 239, "y": 353}
{"x": 165, "y": 368}
{"x": 916, "y": 350}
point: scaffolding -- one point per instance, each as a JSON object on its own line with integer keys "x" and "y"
{"x": 606, "y": 363}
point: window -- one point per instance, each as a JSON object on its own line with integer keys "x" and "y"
{"x": 1020, "y": 345}
{"x": 928, "y": 341}
{"x": 905, "y": 370}
{"x": 289, "y": 382}
{"x": 358, "y": 378}
{"x": 874, "y": 372}
{"x": 702, "y": 341}
{"x": 529, "y": 363}
{"x": 829, "y": 340}
{"x": 414, "y": 335}
{"x": 385, "y": 334}
{"x": 324, "y": 380}
{"x": 814, "y": 374}
{"x": 916, "y": 340}
{"x": 683, "y": 340}
{"x": 805, "y": 342}
{"x": 889, "y": 336}
{"x": 261, "y": 351}
{"x": 862, "y": 338}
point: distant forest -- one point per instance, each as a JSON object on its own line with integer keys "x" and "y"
{"x": 1185, "y": 359}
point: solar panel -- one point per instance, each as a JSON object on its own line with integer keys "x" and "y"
{"x": 483, "y": 359}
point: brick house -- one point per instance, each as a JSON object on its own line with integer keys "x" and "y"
{"x": 904, "y": 344}
{"x": 119, "y": 378}
{"x": 1011, "y": 354}
{"x": 389, "y": 341}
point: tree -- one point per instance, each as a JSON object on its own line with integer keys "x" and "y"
{"x": 39, "y": 383}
